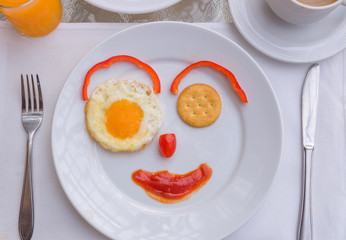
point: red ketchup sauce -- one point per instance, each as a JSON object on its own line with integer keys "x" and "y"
{"x": 167, "y": 187}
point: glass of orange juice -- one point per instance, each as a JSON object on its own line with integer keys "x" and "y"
{"x": 33, "y": 17}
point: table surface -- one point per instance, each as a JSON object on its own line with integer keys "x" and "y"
{"x": 185, "y": 10}
{"x": 272, "y": 221}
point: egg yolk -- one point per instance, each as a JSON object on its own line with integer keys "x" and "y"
{"x": 123, "y": 119}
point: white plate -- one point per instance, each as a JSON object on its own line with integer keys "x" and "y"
{"x": 288, "y": 42}
{"x": 243, "y": 147}
{"x": 133, "y": 6}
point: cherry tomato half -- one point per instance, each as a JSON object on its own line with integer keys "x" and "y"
{"x": 167, "y": 143}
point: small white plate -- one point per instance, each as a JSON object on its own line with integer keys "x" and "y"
{"x": 288, "y": 42}
{"x": 243, "y": 147}
{"x": 133, "y": 6}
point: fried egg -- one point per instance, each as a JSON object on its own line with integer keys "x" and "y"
{"x": 123, "y": 115}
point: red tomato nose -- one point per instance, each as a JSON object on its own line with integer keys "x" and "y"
{"x": 167, "y": 144}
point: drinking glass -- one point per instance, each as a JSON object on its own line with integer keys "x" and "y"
{"x": 33, "y": 17}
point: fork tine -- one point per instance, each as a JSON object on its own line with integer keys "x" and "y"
{"x": 29, "y": 95}
{"x": 34, "y": 94}
{"x": 39, "y": 93}
{"x": 23, "y": 94}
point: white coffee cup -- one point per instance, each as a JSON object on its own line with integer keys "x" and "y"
{"x": 296, "y": 12}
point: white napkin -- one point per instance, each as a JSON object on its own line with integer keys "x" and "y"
{"x": 54, "y": 57}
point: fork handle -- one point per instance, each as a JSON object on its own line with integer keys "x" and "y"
{"x": 26, "y": 213}
{"x": 305, "y": 223}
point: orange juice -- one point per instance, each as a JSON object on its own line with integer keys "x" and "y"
{"x": 32, "y": 17}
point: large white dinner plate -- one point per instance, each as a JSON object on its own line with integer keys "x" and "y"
{"x": 243, "y": 147}
{"x": 132, "y": 6}
{"x": 288, "y": 42}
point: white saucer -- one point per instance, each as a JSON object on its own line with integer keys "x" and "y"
{"x": 288, "y": 42}
{"x": 133, "y": 6}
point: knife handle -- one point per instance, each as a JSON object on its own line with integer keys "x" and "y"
{"x": 305, "y": 222}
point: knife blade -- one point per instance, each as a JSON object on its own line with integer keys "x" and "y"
{"x": 309, "y": 117}
{"x": 309, "y": 105}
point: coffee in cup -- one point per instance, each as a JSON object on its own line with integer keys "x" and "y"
{"x": 304, "y": 11}
{"x": 317, "y": 2}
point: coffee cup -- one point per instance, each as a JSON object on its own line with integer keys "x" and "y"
{"x": 304, "y": 11}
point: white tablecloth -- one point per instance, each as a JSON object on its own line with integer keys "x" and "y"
{"x": 54, "y": 57}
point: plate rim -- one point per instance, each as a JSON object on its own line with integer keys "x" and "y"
{"x": 115, "y": 8}
{"x": 276, "y": 103}
{"x": 264, "y": 50}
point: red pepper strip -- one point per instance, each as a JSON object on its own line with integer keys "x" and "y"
{"x": 107, "y": 63}
{"x": 235, "y": 84}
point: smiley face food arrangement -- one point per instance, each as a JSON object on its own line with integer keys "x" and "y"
{"x": 125, "y": 115}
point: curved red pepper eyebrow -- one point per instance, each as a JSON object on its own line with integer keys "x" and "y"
{"x": 229, "y": 75}
{"x": 107, "y": 63}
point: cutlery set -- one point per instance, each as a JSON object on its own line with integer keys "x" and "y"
{"x": 32, "y": 115}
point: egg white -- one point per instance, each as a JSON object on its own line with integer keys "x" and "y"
{"x": 114, "y": 90}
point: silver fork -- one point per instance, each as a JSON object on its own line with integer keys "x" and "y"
{"x": 32, "y": 115}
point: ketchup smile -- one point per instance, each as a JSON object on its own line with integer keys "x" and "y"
{"x": 167, "y": 187}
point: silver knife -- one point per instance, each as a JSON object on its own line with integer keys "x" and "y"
{"x": 309, "y": 116}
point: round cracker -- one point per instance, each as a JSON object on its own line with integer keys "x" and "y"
{"x": 199, "y": 105}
